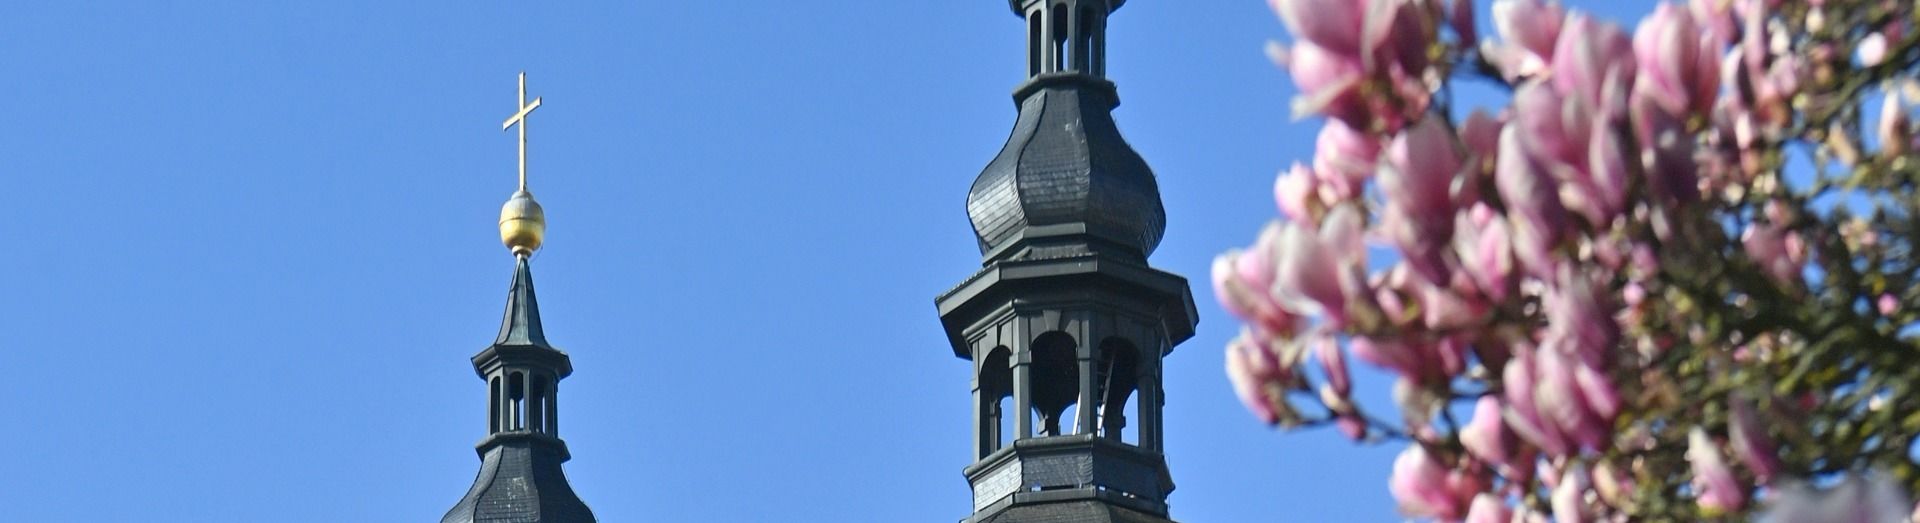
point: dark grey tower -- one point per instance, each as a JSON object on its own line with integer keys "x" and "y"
{"x": 1066, "y": 320}
{"x": 520, "y": 478}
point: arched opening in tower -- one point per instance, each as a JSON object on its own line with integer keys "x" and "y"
{"x": 996, "y": 390}
{"x": 1056, "y": 379}
{"x": 1118, "y": 369}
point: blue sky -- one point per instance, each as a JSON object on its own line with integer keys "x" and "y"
{"x": 253, "y": 248}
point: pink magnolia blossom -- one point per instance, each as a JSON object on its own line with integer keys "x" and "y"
{"x": 1666, "y": 152}
{"x": 1331, "y": 24}
{"x": 1487, "y": 435}
{"x": 1319, "y": 271}
{"x": 1481, "y": 135}
{"x": 1715, "y": 488}
{"x": 1528, "y": 30}
{"x": 1588, "y": 52}
{"x": 1522, "y": 414}
{"x": 1344, "y": 159}
{"x": 1569, "y": 496}
{"x": 1489, "y": 509}
{"x": 1872, "y": 50}
{"x": 1579, "y": 322}
{"x": 1605, "y": 177}
{"x": 1425, "y": 487}
{"x": 1544, "y": 262}
{"x": 1446, "y": 309}
{"x": 1484, "y": 247}
{"x": 1678, "y": 60}
{"x": 1329, "y": 83}
{"x": 1895, "y": 128}
{"x": 1615, "y": 486}
{"x": 1716, "y": 21}
{"x": 1597, "y": 393}
{"x": 1780, "y": 252}
{"x": 1261, "y": 375}
{"x": 1243, "y": 281}
{"x": 1533, "y": 205}
{"x": 1553, "y": 126}
{"x": 1359, "y": 61}
{"x": 1297, "y": 193}
{"x": 1422, "y": 165}
{"x": 1412, "y": 359}
{"x": 1562, "y": 404}
{"x": 1748, "y": 439}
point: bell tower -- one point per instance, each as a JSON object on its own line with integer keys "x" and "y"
{"x": 1066, "y": 324}
{"x": 520, "y": 478}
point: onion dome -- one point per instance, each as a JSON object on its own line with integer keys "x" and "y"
{"x": 1066, "y": 178}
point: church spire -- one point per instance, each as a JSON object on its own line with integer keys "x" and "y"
{"x": 521, "y": 326}
{"x": 520, "y": 478}
{"x": 1066, "y": 325}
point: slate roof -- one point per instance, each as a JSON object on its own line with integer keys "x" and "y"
{"x": 1066, "y": 171}
{"x": 521, "y": 326}
{"x": 520, "y": 481}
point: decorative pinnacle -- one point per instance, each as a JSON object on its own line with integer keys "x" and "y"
{"x": 523, "y": 225}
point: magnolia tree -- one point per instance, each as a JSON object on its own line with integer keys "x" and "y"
{"x": 1673, "y": 279}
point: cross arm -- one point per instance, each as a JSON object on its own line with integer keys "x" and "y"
{"x": 520, "y": 116}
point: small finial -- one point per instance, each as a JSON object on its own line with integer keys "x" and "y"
{"x": 523, "y": 225}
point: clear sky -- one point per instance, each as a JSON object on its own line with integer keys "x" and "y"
{"x": 254, "y": 246}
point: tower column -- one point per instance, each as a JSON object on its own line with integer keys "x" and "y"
{"x": 1022, "y": 395}
{"x": 983, "y": 418}
{"x": 1150, "y": 417}
{"x": 1089, "y": 402}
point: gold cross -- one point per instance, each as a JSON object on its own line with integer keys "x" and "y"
{"x": 521, "y": 118}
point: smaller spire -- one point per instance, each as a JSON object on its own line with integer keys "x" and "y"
{"x": 521, "y": 327}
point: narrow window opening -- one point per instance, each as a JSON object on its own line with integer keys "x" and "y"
{"x": 538, "y": 419}
{"x": 996, "y": 390}
{"x": 517, "y": 393}
{"x": 493, "y": 406}
{"x": 1059, "y": 37}
{"x": 1100, "y": 47}
{"x": 1083, "y": 41}
{"x": 1035, "y": 42}
{"x": 553, "y": 409}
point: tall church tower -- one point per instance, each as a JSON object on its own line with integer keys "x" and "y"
{"x": 520, "y": 478}
{"x": 1066, "y": 320}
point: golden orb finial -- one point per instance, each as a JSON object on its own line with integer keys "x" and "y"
{"x": 523, "y": 225}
